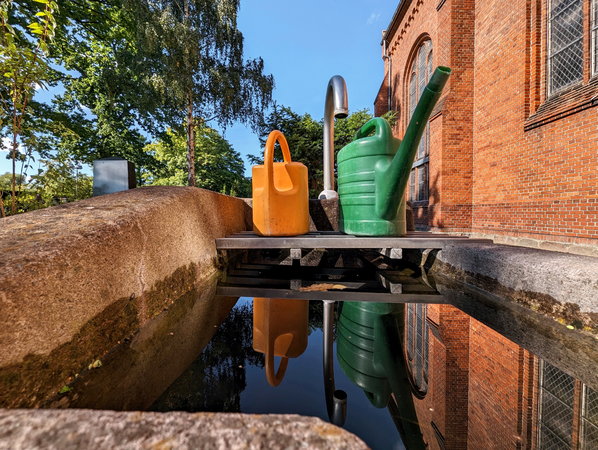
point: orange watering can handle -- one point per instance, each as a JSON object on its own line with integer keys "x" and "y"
{"x": 274, "y": 136}
{"x": 275, "y": 379}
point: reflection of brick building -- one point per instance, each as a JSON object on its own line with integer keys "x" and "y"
{"x": 512, "y": 147}
{"x": 475, "y": 389}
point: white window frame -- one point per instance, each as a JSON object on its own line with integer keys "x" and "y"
{"x": 594, "y": 37}
{"x": 421, "y": 64}
{"x": 549, "y": 54}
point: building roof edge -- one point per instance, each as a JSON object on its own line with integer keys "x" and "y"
{"x": 396, "y": 18}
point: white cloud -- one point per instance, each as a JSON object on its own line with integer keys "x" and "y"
{"x": 373, "y": 18}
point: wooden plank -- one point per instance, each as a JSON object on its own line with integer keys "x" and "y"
{"x": 335, "y": 234}
{"x": 348, "y": 242}
{"x": 286, "y": 270}
{"x": 384, "y": 297}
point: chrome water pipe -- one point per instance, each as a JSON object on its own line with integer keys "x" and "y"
{"x": 336, "y": 400}
{"x": 336, "y": 105}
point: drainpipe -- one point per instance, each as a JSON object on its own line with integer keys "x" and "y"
{"x": 386, "y": 58}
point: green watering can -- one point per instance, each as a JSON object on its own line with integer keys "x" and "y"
{"x": 369, "y": 351}
{"x": 373, "y": 171}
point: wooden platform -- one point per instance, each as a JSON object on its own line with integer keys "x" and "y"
{"x": 333, "y": 239}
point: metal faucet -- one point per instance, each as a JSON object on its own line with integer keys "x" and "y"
{"x": 337, "y": 105}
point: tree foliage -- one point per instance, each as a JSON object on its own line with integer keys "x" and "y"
{"x": 58, "y": 182}
{"x": 198, "y": 73}
{"x": 218, "y": 166}
{"x": 125, "y": 70}
{"x": 305, "y": 137}
{"x": 25, "y": 32}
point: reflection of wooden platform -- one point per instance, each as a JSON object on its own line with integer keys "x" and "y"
{"x": 332, "y": 239}
{"x": 363, "y": 284}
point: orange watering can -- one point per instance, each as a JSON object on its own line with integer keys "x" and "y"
{"x": 279, "y": 329}
{"x": 280, "y": 194}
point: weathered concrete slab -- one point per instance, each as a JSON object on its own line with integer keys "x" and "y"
{"x": 562, "y": 285}
{"x": 79, "y": 280}
{"x": 545, "y": 301}
{"x": 78, "y": 429}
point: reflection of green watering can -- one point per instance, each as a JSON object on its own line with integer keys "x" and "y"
{"x": 369, "y": 351}
{"x": 373, "y": 171}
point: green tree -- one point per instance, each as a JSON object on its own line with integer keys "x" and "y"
{"x": 195, "y": 53}
{"x": 218, "y": 167}
{"x": 25, "y": 32}
{"x": 60, "y": 181}
{"x": 108, "y": 106}
{"x": 305, "y": 137}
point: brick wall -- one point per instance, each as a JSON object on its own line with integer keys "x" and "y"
{"x": 482, "y": 388}
{"x": 505, "y": 158}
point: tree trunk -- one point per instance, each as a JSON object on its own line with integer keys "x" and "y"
{"x": 190, "y": 141}
{"x": 13, "y": 203}
{"x": 2, "y": 211}
{"x": 190, "y": 119}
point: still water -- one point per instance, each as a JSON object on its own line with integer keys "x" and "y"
{"x": 414, "y": 375}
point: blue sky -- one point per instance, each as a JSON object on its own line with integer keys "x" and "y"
{"x": 303, "y": 44}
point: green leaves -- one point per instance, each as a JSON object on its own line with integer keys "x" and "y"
{"x": 36, "y": 28}
{"x": 23, "y": 64}
{"x": 218, "y": 167}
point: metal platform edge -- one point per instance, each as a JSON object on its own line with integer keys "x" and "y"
{"x": 415, "y": 240}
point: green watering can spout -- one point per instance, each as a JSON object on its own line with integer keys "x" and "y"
{"x": 391, "y": 178}
{"x": 373, "y": 169}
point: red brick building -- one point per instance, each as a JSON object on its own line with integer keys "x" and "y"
{"x": 475, "y": 389}
{"x": 512, "y": 147}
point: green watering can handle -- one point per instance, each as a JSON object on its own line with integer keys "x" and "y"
{"x": 379, "y": 126}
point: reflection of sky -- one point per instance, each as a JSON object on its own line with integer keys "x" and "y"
{"x": 302, "y": 392}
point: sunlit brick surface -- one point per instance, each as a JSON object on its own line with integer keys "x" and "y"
{"x": 509, "y": 154}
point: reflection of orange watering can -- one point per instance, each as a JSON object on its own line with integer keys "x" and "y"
{"x": 280, "y": 194}
{"x": 279, "y": 329}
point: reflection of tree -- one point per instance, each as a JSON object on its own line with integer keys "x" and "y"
{"x": 215, "y": 380}
{"x": 316, "y": 315}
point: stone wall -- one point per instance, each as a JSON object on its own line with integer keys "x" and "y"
{"x": 84, "y": 283}
{"x": 24, "y": 429}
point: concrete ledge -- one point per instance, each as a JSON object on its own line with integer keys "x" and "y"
{"x": 79, "y": 280}
{"x": 555, "y": 246}
{"x": 560, "y": 285}
{"x": 76, "y": 429}
{"x": 547, "y": 302}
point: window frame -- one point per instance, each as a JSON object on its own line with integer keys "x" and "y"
{"x": 549, "y": 56}
{"x": 578, "y": 407}
{"x": 416, "y": 320}
{"x": 594, "y": 38}
{"x": 422, "y": 62}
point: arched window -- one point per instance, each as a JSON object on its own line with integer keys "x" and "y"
{"x": 417, "y": 345}
{"x": 421, "y": 71}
